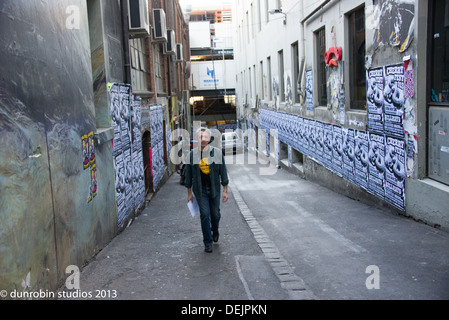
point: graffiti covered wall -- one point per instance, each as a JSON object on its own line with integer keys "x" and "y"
{"x": 55, "y": 209}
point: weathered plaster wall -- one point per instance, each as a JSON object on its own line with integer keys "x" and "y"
{"x": 46, "y": 106}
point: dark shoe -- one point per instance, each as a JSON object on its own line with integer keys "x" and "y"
{"x": 215, "y": 236}
{"x": 208, "y": 249}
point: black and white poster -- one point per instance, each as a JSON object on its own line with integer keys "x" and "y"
{"x": 319, "y": 141}
{"x": 137, "y": 156}
{"x": 376, "y": 157}
{"x": 310, "y": 127}
{"x": 375, "y": 99}
{"x": 328, "y": 145}
{"x": 395, "y": 171}
{"x": 299, "y": 140}
{"x": 394, "y": 100}
{"x": 157, "y": 144}
{"x": 337, "y": 152}
{"x": 348, "y": 154}
{"x": 114, "y": 114}
{"x": 361, "y": 161}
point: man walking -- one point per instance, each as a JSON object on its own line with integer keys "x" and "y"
{"x": 204, "y": 172}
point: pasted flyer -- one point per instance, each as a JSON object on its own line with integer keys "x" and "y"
{"x": 375, "y": 99}
{"x": 394, "y": 100}
{"x": 328, "y": 145}
{"x": 361, "y": 162}
{"x": 337, "y": 152}
{"x": 348, "y": 154}
{"x": 376, "y": 157}
{"x": 395, "y": 171}
{"x": 319, "y": 141}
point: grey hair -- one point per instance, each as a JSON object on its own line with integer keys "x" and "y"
{"x": 203, "y": 129}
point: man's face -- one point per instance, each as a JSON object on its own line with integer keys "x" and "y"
{"x": 204, "y": 139}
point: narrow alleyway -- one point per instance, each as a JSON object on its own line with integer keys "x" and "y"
{"x": 161, "y": 256}
{"x": 281, "y": 238}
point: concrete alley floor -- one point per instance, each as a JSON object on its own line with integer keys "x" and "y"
{"x": 281, "y": 237}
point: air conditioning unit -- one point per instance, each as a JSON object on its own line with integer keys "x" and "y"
{"x": 170, "y": 45}
{"x": 179, "y": 55}
{"x": 160, "y": 25}
{"x": 139, "y": 24}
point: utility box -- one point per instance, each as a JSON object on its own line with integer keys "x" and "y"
{"x": 439, "y": 144}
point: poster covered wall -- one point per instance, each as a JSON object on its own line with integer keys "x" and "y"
{"x": 157, "y": 143}
{"x": 125, "y": 115}
{"x": 374, "y": 159}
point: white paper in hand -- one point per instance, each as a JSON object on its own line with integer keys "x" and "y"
{"x": 193, "y": 207}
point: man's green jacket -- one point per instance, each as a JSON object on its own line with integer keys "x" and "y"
{"x": 217, "y": 169}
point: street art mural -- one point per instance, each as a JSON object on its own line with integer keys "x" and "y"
{"x": 393, "y": 22}
{"x": 374, "y": 159}
{"x": 88, "y": 146}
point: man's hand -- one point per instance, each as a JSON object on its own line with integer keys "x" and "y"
{"x": 190, "y": 195}
{"x": 225, "y": 196}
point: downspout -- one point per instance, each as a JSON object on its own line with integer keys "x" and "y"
{"x": 125, "y": 33}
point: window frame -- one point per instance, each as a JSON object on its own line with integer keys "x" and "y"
{"x": 356, "y": 102}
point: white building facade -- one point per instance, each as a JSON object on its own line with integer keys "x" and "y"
{"x": 357, "y": 93}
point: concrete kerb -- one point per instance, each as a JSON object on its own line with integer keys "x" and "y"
{"x": 292, "y": 283}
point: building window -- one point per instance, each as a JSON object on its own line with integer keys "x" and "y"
{"x": 295, "y": 65}
{"x": 357, "y": 72}
{"x": 269, "y": 84}
{"x": 255, "y": 81}
{"x": 281, "y": 75}
{"x": 320, "y": 42}
{"x": 250, "y": 83}
{"x": 138, "y": 64}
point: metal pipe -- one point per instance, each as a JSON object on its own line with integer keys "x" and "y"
{"x": 125, "y": 33}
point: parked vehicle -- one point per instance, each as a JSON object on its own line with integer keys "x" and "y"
{"x": 231, "y": 143}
